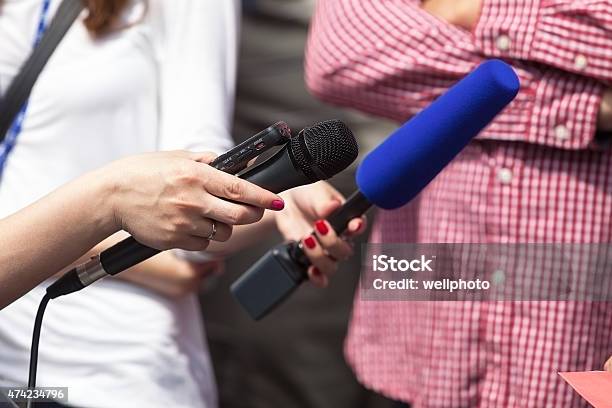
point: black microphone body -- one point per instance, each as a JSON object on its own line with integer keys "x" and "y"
{"x": 303, "y": 160}
{"x": 278, "y": 173}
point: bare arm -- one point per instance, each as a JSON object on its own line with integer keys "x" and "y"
{"x": 466, "y": 13}
{"x": 394, "y": 58}
{"x": 165, "y": 200}
{"x": 51, "y": 233}
{"x": 572, "y": 36}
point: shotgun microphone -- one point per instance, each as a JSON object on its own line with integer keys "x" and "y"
{"x": 391, "y": 175}
{"x": 316, "y": 153}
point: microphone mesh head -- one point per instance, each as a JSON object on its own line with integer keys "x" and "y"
{"x": 323, "y": 150}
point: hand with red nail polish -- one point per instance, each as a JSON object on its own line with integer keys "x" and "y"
{"x": 184, "y": 199}
{"x": 334, "y": 246}
{"x": 329, "y": 249}
{"x": 322, "y": 264}
{"x": 305, "y": 212}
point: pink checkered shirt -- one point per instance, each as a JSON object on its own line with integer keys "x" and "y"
{"x": 534, "y": 175}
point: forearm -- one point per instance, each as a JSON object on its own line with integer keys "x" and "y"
{"x": 570, "y": 107}
{"x": 574, "y": 36}
{"x": 395, "y": 71}
{"x": 55, "y": 231}
{"x": 390, "y": 59}
{"x": 165, "y": 200}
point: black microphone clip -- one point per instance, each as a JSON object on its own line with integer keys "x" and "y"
{"x": 271, "y": 279}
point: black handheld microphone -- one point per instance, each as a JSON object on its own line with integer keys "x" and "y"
{"x": 316, "y": 153}
{"x": 391, "y": 175}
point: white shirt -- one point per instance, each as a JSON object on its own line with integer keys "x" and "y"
{"x": 166, "y": 82}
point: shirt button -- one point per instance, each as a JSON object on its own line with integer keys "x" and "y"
{"x": 562, "y": 132}
{"x": 504, "y": 176}
{"x": 503, "y": 42}
{"x": 581, "y": 62}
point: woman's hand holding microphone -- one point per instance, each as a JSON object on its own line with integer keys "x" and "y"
{"x": 306, "y": 210}
{"x": 165, "y": 200}
{"x": 176, "y": 201}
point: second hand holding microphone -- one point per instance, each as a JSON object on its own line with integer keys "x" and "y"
{"x": 317, "y": 153}
{"x": 391, "y": 175}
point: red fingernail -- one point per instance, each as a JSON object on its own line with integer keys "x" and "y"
{"x": 321, "y": 227}
{"x": 310, "y": 242}
{"x": 278, "y": 204}
{"x": 316, "y": 272}
{"x": 359, "y": 225}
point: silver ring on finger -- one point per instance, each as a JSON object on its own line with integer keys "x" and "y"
{"x": 212, "y": 234}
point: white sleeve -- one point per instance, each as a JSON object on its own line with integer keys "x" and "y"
{"x": 197, "y": 53}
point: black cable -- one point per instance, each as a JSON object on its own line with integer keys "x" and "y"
{"x": 35, "y": 340}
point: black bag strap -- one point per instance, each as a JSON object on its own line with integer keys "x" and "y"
{"x": 21, "y": 87}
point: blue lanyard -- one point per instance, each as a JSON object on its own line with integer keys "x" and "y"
{"x": 11, "y": 138}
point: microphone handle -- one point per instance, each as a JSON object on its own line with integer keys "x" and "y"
{"x": 355, "y": 206}
{"x": 124, "y": 255}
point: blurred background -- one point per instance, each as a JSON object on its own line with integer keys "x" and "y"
{"x": 294, "y": 357}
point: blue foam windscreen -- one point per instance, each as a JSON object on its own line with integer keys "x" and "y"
{"x": 397, "y": 170}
